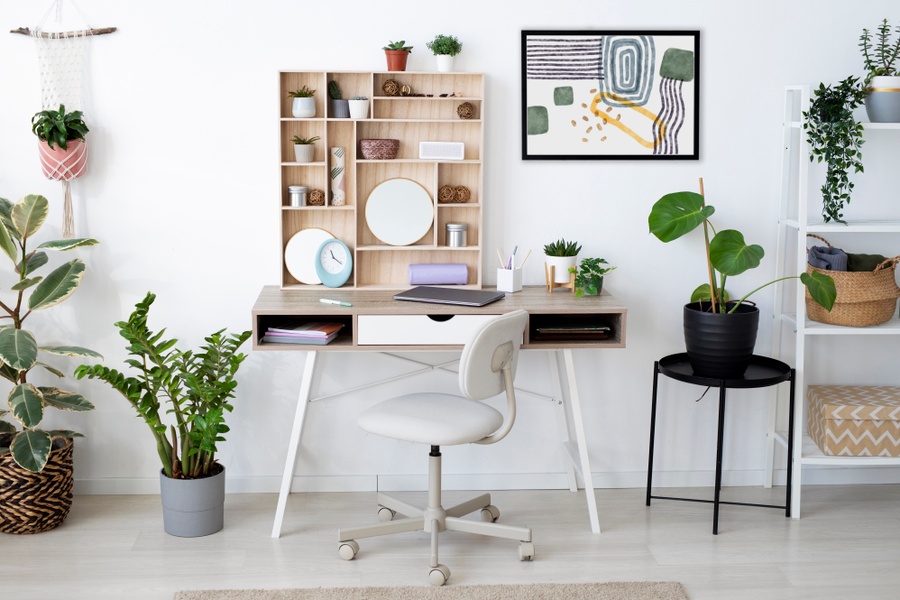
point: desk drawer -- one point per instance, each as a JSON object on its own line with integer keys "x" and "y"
{"x": 417, "y": 330}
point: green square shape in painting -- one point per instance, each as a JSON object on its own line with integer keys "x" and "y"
{"x": 563, "y": 96}
{"x": 538, "y": 120}
{"x": 677, "y": 64}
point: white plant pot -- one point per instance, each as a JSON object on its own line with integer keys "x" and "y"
{"x": 303, "y": 153}
{"x": 303, "y": 108}
{"x": 444, "y": 63}
{"x": 883, "y": 100}
{"x": 561, "y": 266}
{"x": 359, "y": 109}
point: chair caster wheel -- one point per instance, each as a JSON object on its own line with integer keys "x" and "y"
{"x": 490, "y": 513}
{"x": 439, "y": 575}
{"x": 348, "y": 549}
{"x": 526, "y": 551}
{"x": 386, "y": 514}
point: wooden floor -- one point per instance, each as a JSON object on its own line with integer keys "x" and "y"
{"x": 846, "y": 546}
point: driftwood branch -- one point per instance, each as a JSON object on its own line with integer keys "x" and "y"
{"x": 44, "y": 34}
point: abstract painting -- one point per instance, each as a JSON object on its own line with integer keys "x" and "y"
{"x": 610, "y": 95}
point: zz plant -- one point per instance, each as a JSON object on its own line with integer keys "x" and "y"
{"x": 19, "y": 349}
{"x": 194, "y": 387}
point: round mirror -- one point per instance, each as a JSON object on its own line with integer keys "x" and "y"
{"x": 399, "y": 212}
{"x": 301, "y": 251}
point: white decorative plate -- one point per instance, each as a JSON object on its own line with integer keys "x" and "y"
{"x": 300, "y": 254}
{"x": 399, "y": 211}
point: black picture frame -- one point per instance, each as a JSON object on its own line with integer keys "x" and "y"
{"x": 610, "y": 95}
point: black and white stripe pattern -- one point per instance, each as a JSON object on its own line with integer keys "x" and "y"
{"x": 564, "y": 58}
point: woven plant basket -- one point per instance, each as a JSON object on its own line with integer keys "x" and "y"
{"x": 379, "y": 149}
{"x": 864, "y": 298}
{"x": 36, "y": 502}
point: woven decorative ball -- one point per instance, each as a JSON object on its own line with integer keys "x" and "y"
{"x": 391, "y": 88}
{"x": 466, "y": 110}
{"x": 316, "y": 198}
{"x": 379, "y": 149}
{"x": 446, "y": 194}
{"x": 461, "y": 194}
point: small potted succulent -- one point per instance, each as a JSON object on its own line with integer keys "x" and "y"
{"x": 445, "y": 48}
{"x": 304, "y": 148}
{"x": 561, "y": 255}
{"x": 340, "y": 108}
{"x": 359, "y": 107}
{"x": 303, "y": 105}
{"x": 397, "y": 54}
{"x": 62, "y": 144}
{"x": 882, "y": 82}
{"x": 589, "y": 276}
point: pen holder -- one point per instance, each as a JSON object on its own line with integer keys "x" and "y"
{"x": 509, "y": 280}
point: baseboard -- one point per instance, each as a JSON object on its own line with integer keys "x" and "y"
{"x": 500, "y": 481}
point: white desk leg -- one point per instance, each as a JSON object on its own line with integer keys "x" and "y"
{"x": 562, "y": 420}
{"x": 296, "y": 431}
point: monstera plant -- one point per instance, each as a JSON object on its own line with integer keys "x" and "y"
{"x": 20, "y": 352}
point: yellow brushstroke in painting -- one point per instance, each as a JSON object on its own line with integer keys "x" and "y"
{"x": 628, "y": 131}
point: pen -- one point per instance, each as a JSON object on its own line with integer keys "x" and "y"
{"x": 336, "y": 302}
{"x": 512, "y": 258}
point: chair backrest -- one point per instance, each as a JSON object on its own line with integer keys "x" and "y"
{"x": 494, "y": 346}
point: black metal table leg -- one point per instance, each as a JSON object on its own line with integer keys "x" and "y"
{"x": 719, "y": 448}
{"x": 652, "y": 429}
{"x": 790, "y": 448}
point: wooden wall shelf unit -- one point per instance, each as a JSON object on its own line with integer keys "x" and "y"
{"x": 428, "y": 113}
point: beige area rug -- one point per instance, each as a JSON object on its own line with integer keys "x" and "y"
{"x": 649, "y": 590}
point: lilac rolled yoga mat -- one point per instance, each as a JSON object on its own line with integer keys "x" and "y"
{"x": 440, "y": 274}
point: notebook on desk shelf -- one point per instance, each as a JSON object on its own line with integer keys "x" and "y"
{"x": 442, "y": 295}
{"x": 274, "y": 338}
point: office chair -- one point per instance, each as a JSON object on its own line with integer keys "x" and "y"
{"x": 487, "y": 367}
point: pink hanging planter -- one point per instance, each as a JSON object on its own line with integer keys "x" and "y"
{"x": 63, "y": 164}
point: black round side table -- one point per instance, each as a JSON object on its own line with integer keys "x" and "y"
{"x": 762, "y": 372}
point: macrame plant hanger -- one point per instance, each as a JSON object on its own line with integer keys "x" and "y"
{"x": 61, "y": 63}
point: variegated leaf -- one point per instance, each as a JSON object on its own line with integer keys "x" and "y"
{"x": 64, "y": 433}
{"x": 57, "y": 286}
{"x": 71, "y": 351}
{"x": 18, "y": 348}
{"x": 7, "y": 427}
{"x": 31, "y": 449}
{"x": 65, "y": 400}
{"x": 26, "y": 283}
{"x": 7, "y": 244}
{"x": 29, "y": 213}
{"x": 35, "y": 261}
{"x": 6, "y": 218}
{"x": 53, "y": 370}
{"x": 63, "y": 245}
{"x": 26, "y": 404}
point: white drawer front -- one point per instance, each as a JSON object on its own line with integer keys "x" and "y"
{"x": 415, "y": 330}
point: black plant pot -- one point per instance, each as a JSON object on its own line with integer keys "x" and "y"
{"x": 720, "y": 345}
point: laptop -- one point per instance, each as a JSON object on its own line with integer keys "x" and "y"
{"x": 442, "y": 295}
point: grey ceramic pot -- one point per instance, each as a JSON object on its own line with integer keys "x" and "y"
{"x": 193, "y": 507}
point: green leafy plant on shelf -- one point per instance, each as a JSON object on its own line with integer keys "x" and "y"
{"x": 59, "y": 127}
{"x": 562, "y": 248}
{"x": 302, "y": 141}
{"x": 445, "y": 44}
{"x": 334, "y": 90}
{"x": 589, "y": 276}
{"x": 194, "y": 387}
{"x": 303, "y": 92}
{"x": 879, "y": 56}
{"x": 835, "y": 138}
{"x": 727, "y": 254}
{"x": 19, "y": 349}
{"x": 401, "y": 45}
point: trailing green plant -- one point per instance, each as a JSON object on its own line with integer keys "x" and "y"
{"x": 19, "y": 349}
{"x": 879, "y": 58}
{"x": 334, "y": 90}
{"x": 303, "y": 92}
{"x": 401, "y": 45}
{"x": 562, "y": 248}
{"x": 304, "y": 141}
{"x": 193, "y": 387}
{"x": 589, "y": 276}
{"x": 835, "y": 138}
{"x": 727, "y": 254}
{"x": 445, "y": 44}
{"x": 59, "y": 127}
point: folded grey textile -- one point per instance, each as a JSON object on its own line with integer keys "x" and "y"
{"x": 827, "y": 258}
{"x": 864, "y": 262}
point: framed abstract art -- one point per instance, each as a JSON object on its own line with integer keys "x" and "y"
{"x": 594, "y": 95}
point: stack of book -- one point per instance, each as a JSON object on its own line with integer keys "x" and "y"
{"x": 316, "y": 334}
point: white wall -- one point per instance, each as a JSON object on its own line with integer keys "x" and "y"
{"x": 183, "y": 192}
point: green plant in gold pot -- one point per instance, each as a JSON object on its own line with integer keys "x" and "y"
{"x": 589, "y": 276}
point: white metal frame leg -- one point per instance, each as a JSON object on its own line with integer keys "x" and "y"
{"x": 291, "y": 459}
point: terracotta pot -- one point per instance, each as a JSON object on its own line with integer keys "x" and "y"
{"x": 63, "y": 165}
{"x": 396, "y": 59}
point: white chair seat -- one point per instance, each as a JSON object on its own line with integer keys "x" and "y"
{"x": 432, "y": 418}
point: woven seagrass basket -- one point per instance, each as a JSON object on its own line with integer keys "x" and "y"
{"x": 379, "y": 149}
{"x": 864, "y": 298}
{"x": 36, "y": 502}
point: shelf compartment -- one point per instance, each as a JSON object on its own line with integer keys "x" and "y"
{"x": 389, "y": 268}
{"x": 410, "y": 133}
{"x": 465, "y": 85}
{"x": 304, "y": 129}
{"x": 351, "y": 84}
{"x": 312, "y": 175}
{"x": 290, "y": 81}
{"x": 575, "y": 329}
{"x": 263, "y": 322}
{"x": 337, "y": 222}
{"x": 459, "y": 213}
{"x": 369, "y": 175}
{"x": 423, "y": 109}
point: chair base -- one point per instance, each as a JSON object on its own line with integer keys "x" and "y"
{"x": 435, "y": 518}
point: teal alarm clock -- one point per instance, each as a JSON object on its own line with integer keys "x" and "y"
{"x": 334, "y": 263}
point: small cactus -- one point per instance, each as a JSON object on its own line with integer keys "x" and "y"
{"x": 334, "y": 90}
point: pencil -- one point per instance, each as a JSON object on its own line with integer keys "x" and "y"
{"x": 500, "y": 258}
{"x": 524, "y": 259}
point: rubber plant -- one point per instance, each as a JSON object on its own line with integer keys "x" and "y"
{"x": 19, "y": 349}
{"x": 727, "y": 254}
{"x": 194, "y": 387}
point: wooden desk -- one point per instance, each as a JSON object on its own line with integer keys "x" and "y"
{"x": 376, "y": 322}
